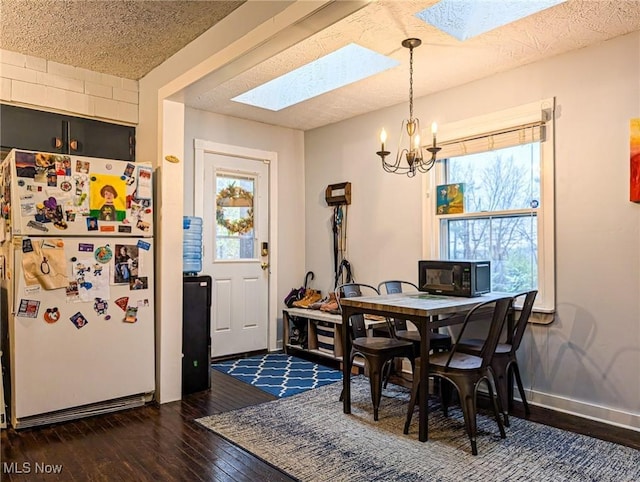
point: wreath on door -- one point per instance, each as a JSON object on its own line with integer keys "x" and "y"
{"x": 229, "y": 196}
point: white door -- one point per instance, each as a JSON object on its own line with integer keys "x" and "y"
{"x": 235, "y": 211}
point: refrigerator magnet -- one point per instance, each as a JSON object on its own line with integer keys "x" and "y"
{"x": 52, "y": 178}
{"x": 103, "y": 254}
{"x": 36, "y": 225}
{"x": 83, "y": 167}
{"x": 143, "y": 188}
{"x": 143, "y": 226}
{"x": 100, "y": 306}
{"x": 73, "y": 291}
{"x": 85, "y": 247}
{"x": 131, "y": 315}
{"x": 25, "y": 164}
{"x": 144, "y": 245}
{"x": 92, "y": 223}
{"x": 122, "y": 303}
{"x": 128, "y": 171}
{"x": 78, "y": 320}
{"x": 28, "y": 308}
{"x": 27, "y": 247}
{"x": 51, "y": 315}
{"x": 139, "y": 283}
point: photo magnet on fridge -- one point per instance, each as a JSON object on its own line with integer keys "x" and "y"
{"x": 79, "y": 320}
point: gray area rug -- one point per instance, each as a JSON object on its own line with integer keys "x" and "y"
{"x": 308, "y": 437}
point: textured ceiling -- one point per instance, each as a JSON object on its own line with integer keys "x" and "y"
{"x": 129, "y": 38}
{"x": 126, "y": 38}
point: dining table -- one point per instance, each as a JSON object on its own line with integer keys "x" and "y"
{"x": 426, "y": 311}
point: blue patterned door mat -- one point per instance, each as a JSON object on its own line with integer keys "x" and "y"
{"x": 279, "y": 374}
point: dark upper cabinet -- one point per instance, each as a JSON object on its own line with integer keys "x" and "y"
{"x": 36, "y": 130}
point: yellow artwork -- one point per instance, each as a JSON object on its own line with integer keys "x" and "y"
{"x": 107, "y": 197}
{"x": 450, "y": 199}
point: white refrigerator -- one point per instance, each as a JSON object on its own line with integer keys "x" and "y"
{"x": 77, "y": 269}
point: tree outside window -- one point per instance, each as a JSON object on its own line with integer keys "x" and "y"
{"x": 499, "y": 223}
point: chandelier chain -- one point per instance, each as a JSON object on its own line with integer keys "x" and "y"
{"x": 411, "y": 84}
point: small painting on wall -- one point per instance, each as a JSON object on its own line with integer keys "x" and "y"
{"x": 450, "y": 198}
{"x": 634, "y": 157}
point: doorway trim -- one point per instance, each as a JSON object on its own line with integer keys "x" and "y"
{"x": 202, "y": 147}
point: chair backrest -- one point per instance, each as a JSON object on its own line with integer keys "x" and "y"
{"x": 501, "y": 308}
{"x": 515, "y": 337}
{"x": 352, "y": 290}
{"x": 395, "y": 286}
{"x": 392, "y": 287}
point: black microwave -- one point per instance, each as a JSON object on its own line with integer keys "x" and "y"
{"x": 454, "y": 277}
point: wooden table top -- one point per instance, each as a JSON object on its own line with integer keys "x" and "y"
{"x": 418, "y": 304}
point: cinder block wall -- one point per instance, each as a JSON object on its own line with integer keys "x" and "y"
{"x": 38, "y": 83}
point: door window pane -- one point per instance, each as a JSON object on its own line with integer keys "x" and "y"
{"x": 235, "y": 233}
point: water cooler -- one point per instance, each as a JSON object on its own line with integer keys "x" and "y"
{"x": 196, "y": 312}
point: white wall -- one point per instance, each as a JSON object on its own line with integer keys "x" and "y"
{"x": 38, "y": 83}
{"x": 251, "y": 33}
{"x": 289, "y": 145}
{"x": 588, "y": 360}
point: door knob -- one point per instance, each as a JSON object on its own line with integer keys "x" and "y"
{"x": 264, "y": 266}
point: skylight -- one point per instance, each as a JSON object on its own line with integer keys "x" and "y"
{"x": 465, "y": 19}
{"x": 342, "y": 67}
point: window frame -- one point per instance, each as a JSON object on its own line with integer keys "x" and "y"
{"x": 545, "y": 214}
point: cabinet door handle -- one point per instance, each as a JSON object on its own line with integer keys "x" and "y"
{"x": 56, "y": 142}
{"x": 73, "y": 144}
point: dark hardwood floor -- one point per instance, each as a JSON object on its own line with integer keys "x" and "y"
{"x": 164, "y": 443}
{"x": 151, "y": 443}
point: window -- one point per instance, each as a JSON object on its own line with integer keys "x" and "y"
{"x": 503, "y": 165}
{"x": 235, "y": 236}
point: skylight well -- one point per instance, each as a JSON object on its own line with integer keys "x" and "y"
{"x": 337, "y": 69}
{"x": 464, "y": 19}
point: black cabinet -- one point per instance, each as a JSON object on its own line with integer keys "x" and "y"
{"x": 36, "y": 130}
{"x": 196, "y": 334}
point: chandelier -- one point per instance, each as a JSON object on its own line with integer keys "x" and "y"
{"x": 410, "y": 159}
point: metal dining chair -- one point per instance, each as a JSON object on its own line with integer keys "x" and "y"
{"x": 377, "y": 351}
{"x": 437, "y": 341}
{"x": 504, "y": 362}
{"x": 465, "y": 371}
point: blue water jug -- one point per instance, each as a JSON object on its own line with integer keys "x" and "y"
{"x": 191, "y": 245}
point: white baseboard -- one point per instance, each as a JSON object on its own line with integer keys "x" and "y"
{"x": 599, "y": 413}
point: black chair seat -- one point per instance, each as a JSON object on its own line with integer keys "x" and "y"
{"x": 375, "y": 344}
{"x": 459, "y": 361}
{"x": 475, "y": 344}
{"x": 437, "y": 341}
